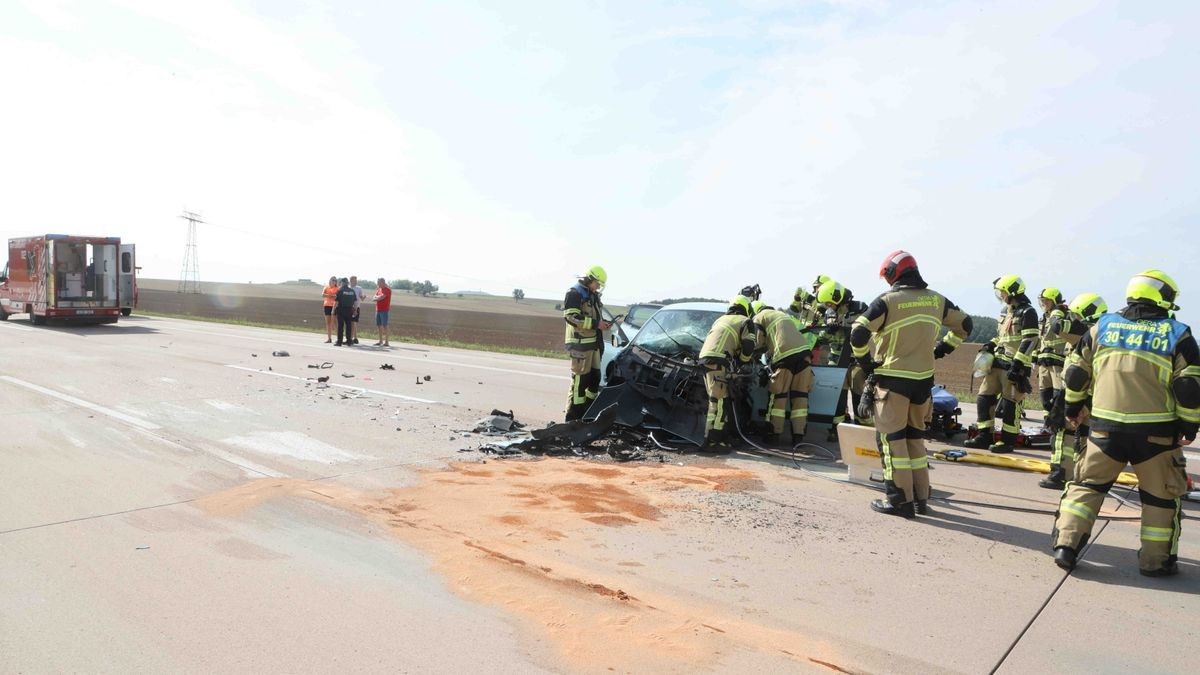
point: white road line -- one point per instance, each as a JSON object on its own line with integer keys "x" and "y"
{"x": 13, "y": 326}
{"x": 235, "y": 460}
{"x": 333, "y": 384}
{"x": 88, "y": 405}
{"x": 391, "y": 356}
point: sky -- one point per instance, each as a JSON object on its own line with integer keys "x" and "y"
{"x": 689, "y": 148}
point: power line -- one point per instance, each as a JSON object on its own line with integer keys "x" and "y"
{"x": 189, "y": 276}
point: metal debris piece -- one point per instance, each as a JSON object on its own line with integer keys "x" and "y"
{"x": 280, "y": 352}
{"x": 387, "y": 366}
{"x": 428, "y": 378}
{"x": 347, "y": 374}
{"x": 322, "y": 365}
{"x": 323, "y": 378}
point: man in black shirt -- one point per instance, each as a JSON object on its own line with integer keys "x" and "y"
{"x": 346, "y": 298}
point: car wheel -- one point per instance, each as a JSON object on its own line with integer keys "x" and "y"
{"x": 126, "y": 311}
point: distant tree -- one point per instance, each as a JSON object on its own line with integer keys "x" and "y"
{"x": 985, "y": 328}
{"x": 401, "y": 284}
{"x": 518, "y": 294}
{"x": 426, "y": 287}
{"x": 367, "y": 284}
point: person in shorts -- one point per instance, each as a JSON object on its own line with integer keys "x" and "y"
{"x": 330, "y": 299}
{"x": 358, "y": 291}
{"x": 383, "y": 304}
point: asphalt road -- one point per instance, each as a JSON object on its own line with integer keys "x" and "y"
{"x": 117, "y": 435}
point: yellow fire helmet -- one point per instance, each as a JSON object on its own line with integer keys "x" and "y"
{"x": 1089, "y": 306}
{"x": 802, "y": 295}
{"x": 831, "y": 293}
{"x": 756, "y": 307}
{"x": 1052, "y": 294}
{"x": 597, "y": 272}
{"x": 1009, "y": 284}
{"x": 1155, "y": 287}
{"x": 821, "y": 278}
{"x": 742, "y": 303}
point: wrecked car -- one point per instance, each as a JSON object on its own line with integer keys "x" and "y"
{"x": 656, "y": 380}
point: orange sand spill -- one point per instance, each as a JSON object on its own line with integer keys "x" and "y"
{"x": 520, "y": 536}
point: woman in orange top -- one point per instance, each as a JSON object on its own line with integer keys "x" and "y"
{"x": 330, "y": 296}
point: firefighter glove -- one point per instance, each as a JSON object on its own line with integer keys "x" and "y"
{"x": 868, "y": 366}
{"x": 1187, "y": 430}
{"x": 764, "y": 378}
{"x": 1073, "y": 410}
{"x": 989, "y": 347}
{"x": 941, "y": 349}
{"x": 1017, "y": 371}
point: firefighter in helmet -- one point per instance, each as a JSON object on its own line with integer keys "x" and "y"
{"x": 804, "y": 308}
{"x": 1143, "y": 369}
{"x": 1081, "y": 315}
{"x": 905, "y": 322}
{"x": 729, "y": 344}
{"x": 1014, "y": 348}
{"x": 1051, "y": 355}
{"x": 841, "y": 310}
{"x": 584, "y": 339}
{"x": 789, "y": 355}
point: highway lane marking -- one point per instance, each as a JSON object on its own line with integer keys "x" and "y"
{"x": 87, "y": 405}
{"x": 231, "y": 458}
{"x": 332, "y": 384}
{"x": 389, "y": 355}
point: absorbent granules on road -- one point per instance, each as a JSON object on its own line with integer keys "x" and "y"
{"x": 577, "y": 553}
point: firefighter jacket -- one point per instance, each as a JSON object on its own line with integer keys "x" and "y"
{"x": 1053, "y": 346}
{"x": 581, "y": 311}
{"x": 730, "y": 341}
{"x": 1019, "y": 331}
{"x": 906, "y": 321}
{"x": 1069, "y": 328}
{"x": 780, "y": 336}
{"x": 1143, "y": 369}
{"x": 838, "y": 324}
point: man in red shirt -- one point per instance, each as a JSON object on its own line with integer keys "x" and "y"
{"x": 383, "y": 305}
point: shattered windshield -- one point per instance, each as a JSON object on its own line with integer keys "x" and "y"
{"x": 674, "y": 332}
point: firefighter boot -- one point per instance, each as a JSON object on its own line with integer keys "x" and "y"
{"x": 982, "y": 441}
{"x": 1064, "y": 557}
{"x": 905, "y": 510}
{"x": 921, "y": 507}
{"x": 832, "y": 435}
{"x": 1057, "y": 479}
{"x": 1169, "y": 568}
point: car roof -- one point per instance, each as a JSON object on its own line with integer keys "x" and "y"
{"x": 693, "y": 306}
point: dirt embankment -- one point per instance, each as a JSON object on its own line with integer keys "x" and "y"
{"x": 421, "y": 323}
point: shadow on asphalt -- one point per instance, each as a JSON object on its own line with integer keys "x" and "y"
{"x": 1102, "y": 563}
{"x": 105, "y": 329}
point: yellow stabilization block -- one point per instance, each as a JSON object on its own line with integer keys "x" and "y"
{"x": 1020, "y": 463}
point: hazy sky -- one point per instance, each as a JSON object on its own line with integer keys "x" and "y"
{"x": 689, "y": 150}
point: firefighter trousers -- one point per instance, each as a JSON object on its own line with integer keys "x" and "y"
{"x": 1162, "y": 480}
{"x": 1063, "y": 446}
{"x": 716, "y": 383}
{"x": 1008, "y": 410}
{"x": 990, "y": 388}
{"x": 585, "y": 382}
{"x": 1049, "y": 377}
{"x": 900, "y": 433}
{"x": 789, "y": 386}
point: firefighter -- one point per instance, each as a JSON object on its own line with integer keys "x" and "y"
{"x": 584, "y": 339}
{"x": 990, "y": 386}
{"x": 1052, "y": 353}
{"x": 804, "y": 308}
{"x": 841, "y": 312}
{"x": 728, "y": 346}
{"x": 789, "y": 355}
{"x": 905, "y": 321}
{"x": 1013, "y": 348}
{"x": 1143, "y": 369}
{"x": 1081, "y": 315}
